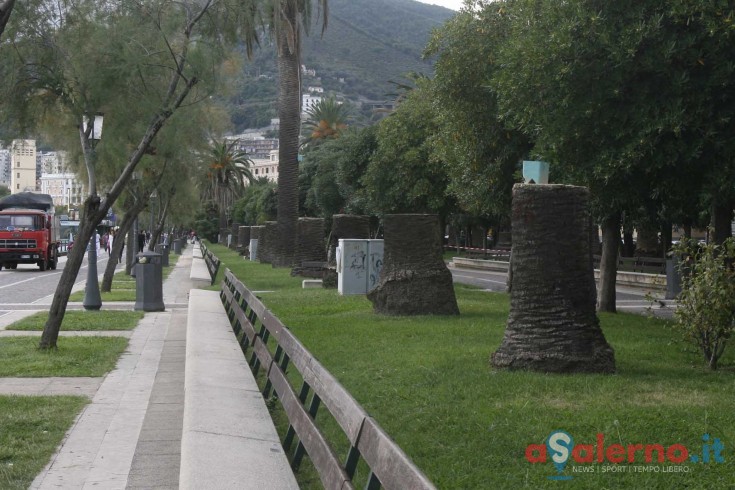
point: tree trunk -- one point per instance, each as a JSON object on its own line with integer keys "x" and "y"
{"x": 289, "y": 112}
{"x": 414, "y": 280}
{"x": 628, "y": 244}
{"x": 235, "y": 232}
{"x": 722, "y": 220}
{"x": 132, "y": 247}
{"x": 6, "y": 8}
{"x": 647, "y": 244}
{"x": 552, "y": 326}
{"x": 310, "y": 244}
{"x": 606, "y": 295}
{"x": 158, "y": 231}
{"x": 117, "y": 245}
{"x": 267, "y": 241}
{"x": 666, "y": 238}
{"x": 91, "y": 216}
{"x": 243, "y": 238}
{"x": 346, "y": 226}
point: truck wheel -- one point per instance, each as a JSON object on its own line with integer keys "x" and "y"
{"x": 43, "y": 264}
{"x": 12, "y": 266}
{"x": 54, "y": 259}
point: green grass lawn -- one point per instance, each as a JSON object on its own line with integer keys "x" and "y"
{"x": 83, "y": 320}
{"x": 75, "y": 356}
{"x": 30, "y": 430}
{"x": 123, "y": 286}
{"x": 428, "y": 382}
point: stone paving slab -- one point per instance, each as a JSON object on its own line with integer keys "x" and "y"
{"x": 98, "y": 449}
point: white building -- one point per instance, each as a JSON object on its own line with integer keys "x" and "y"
{"x": 308, "y": 102}
{"x": 23, "y": 166}
{"x": 64, "y": 188}
{"x": 266, "y": 167}
{"x": 52, "y": 162}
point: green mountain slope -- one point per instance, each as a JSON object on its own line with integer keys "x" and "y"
{"x": 366, "y": 44}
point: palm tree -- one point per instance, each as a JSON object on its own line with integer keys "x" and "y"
{"x": 289, "y": 19}
{"x": 226, "y": 168}
{"x": 327, "y": 119}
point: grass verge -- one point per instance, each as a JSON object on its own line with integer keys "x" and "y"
{"x": 30, "y": 430}
{"x": 123, "y": 286}
{"x": 75, "y": 356}
{"x": 83, "y": 320}
{"x": 428, "y": 382}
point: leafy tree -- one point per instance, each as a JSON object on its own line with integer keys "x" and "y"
{"x": 258, "y": 204}
{"x": 482, "y": 155}
{"x": 206, "y": 222}
{"x": 332, "y": 172}
{"x": 72, "y": 63}
{"x": 706, "y": 312}
{"x": 617, "y": 97}
{"x": 404, "y": 175}
{"x": 4, "y": 191}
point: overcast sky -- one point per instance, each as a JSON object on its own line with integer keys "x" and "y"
{"x": 450, "y": 4}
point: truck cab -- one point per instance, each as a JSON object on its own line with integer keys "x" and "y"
{"x": 28, "y": 236}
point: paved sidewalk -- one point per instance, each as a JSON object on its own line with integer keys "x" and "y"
{"x": 109, "y": 436}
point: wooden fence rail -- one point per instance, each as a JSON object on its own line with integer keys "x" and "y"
{"x": 211, "y": 260}
{"x": 255, "y": 325}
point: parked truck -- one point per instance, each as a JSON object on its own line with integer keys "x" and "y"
{"x": 29, "y": 231}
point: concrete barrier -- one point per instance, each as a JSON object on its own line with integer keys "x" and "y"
{"x": 228, "y": 439}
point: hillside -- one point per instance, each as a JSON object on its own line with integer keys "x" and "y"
{"x": 366, "y": 44}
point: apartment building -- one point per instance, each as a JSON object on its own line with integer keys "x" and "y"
{"x": 23, "y": 166}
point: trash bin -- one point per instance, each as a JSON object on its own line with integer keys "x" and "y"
{"x": 148, "y": 282}
{"x": 164, "y": 251}
{"x": 177, "y": 246}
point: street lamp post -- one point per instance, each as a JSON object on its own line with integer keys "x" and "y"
{"x": 92, "y": 298}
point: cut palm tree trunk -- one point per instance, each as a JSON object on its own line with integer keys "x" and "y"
{"x": 414, "y": 280}
{"x": 552, "y": 326}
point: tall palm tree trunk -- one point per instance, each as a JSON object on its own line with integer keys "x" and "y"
{"x": 289, "y": 112}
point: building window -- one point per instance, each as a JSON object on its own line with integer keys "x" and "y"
{"x": 17, "y": 175}
{"x": 17, "y": 186}
{"x": 266, "y": 169}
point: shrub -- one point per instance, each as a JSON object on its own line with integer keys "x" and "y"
{"x": 706, "y": 312}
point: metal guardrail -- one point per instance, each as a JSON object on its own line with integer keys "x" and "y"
{"x": 255, "y": 326}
